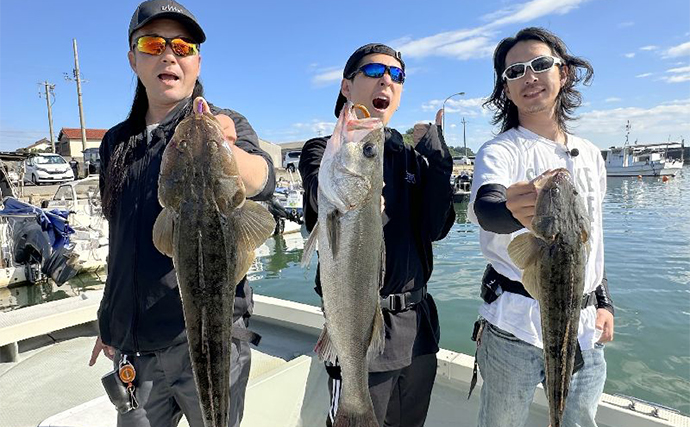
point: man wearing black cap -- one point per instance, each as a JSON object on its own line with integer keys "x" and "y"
{"x": 140, "y": 318}
{"x": 418, "y": 210}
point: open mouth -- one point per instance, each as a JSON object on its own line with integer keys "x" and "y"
{"x": 381, "y": 103}
{"x": 168, "y": 77}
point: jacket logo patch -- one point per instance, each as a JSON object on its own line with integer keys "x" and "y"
{"x": 410, "y": 178}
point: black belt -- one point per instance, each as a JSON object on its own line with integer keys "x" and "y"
{"x": 493, "y": 280}
{"x": 396, "y": 303}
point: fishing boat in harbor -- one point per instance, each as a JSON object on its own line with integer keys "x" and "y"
{"x": 67, "y": 235}
{"x": 644, "y": 159}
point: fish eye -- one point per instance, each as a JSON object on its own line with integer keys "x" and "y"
{"x": 369, "y": 150}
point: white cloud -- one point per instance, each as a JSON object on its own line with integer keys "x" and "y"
{"x": 679, "y": 75}
{"x": 612, "y": 99}
{"x": 680, "y": 50}
{"x": 644, "y": 75}
{"x": 531, "y": 10}
{"x": 626, "y": 24}
{"x": 300, "y": 131}
{"x": 629, "y": 55}
{"x": 478, "y": 42}
{"x": 327, "y": 76}
{"x": 466, "y": 107}
{"x": 607, "y": 127}
{"x": 649, "y": 47}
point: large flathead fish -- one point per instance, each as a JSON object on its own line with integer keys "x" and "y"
{"x": 553, "y": 258}
{"x": 210, "y": 230}
{"x": 350, "y": 244}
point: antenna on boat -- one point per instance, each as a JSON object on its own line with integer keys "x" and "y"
{"x": 627, "y": 132}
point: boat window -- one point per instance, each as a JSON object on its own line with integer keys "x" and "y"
{"x": 63, "y": 193}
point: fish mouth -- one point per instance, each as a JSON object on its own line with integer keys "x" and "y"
{"x": 381, "y": 102}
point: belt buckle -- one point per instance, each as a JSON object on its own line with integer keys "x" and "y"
{"x": 394, "y": 304}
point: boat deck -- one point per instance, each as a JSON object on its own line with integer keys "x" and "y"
{"x": 52, "y": 384}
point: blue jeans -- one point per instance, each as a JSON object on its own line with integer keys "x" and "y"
{"x": 512, "y": 369}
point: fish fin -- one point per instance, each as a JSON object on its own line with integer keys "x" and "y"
{"x": 310, "y": 246}
{"x": 530, "y": 280}
{"x": 244, "y": 262}
{"x": 324, "y": 347}
{"x": 382, "y": 276}
{"x": 524, "y": 250}
{"x": 378, "y": 334}
{"x": 163, "y": 231}
{"x": 333, "y": 228}
{"x": 256, "y": 225}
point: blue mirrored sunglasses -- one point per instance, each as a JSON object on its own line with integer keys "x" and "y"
{"x": 376, "y": 70}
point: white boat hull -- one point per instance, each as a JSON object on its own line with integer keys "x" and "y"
{"x": 645, "y": 170}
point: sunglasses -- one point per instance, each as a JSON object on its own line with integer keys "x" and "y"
{"x": 155, "y": 45}
{"x": 376, "y": 71}
{"x": 540, "y": 64}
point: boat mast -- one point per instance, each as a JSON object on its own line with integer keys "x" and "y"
{"x": 625, "y": 146}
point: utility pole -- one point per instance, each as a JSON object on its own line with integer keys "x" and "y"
{"x": 464, "y": 140}
{"x": 48, "y": 92}
{"x": 77, "y": 78}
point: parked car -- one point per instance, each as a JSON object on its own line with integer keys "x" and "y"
{"x": 291, "y": 160}
{"x": 47, "y": 167}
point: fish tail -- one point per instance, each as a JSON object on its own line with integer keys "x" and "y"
{"x": 345, "y": 418}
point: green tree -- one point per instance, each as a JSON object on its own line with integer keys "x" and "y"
{"x": 407, "y": 137}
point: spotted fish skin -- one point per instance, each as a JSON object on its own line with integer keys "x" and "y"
{"x": 553, "y": 258}
{"x": 210, "y": 230}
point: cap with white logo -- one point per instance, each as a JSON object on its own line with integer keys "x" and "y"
{"x": 157, "y": 9}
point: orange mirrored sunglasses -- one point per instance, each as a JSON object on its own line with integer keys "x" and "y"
{"x": 155, "y": 45}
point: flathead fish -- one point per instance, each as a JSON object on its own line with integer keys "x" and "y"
{"x": 349, "y": 232}
{"x": 210, "y": 230}
{"x": 553, "y": 258}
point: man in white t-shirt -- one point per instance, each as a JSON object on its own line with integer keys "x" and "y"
{"x": 534, "y": 97}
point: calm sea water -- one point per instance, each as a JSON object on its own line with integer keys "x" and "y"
{"x": 647, "y": 241}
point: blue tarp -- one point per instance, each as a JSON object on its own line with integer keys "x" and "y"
{"x": 53, "y": 222}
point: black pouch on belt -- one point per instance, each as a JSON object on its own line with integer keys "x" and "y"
{"x": 117, "y": 391}
{"x": 119, "y": 385}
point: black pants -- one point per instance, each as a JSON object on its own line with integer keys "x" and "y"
{"x": 166, "y": 388}
{"x": 401, "y": 398}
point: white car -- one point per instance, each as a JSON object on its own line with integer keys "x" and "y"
{"x": 291, "y": 160}
{"x": 46, "y": 167}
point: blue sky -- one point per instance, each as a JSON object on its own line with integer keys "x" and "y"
{"x": 279, "y": 63}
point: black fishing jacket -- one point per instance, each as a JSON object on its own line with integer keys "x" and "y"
{"x": 141, "y": 309}
{"x": 418, "y": 210}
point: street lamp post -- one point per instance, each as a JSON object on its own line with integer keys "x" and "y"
{"x": 443, "y": 107}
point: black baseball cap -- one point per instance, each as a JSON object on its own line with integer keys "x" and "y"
{"x": 157, "y": 9}
{"x": 356, "y": 57}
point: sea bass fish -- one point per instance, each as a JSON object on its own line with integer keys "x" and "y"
{"x": 553, "y": 258}
{"x": 210, "y": 230}
{"x": 349, "y": 232}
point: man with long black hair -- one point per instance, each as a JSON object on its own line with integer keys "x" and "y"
{"x": 140, "y": 317}
{"x": 534, "y": 98}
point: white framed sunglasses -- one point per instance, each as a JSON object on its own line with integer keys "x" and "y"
{"x": 540, "y": 64}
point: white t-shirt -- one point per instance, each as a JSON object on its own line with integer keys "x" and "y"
{"x": 521, "y": 155}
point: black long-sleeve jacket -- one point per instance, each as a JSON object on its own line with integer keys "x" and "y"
{"x": 418, "y": 210}
{"x": 141, "y": 309}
